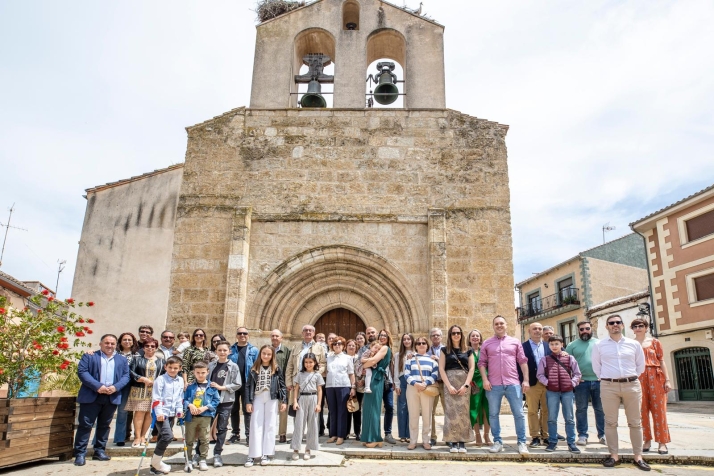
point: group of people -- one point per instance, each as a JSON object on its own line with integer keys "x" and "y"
{"x": 207, "y": 385}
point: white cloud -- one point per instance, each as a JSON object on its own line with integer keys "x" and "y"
{"x": 609, "y": 102}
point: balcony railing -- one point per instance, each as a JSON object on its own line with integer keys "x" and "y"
{"x": 564, "y": 297}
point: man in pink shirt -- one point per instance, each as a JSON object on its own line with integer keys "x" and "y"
{"x": 500, "y": 357}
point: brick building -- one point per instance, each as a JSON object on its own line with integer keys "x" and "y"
{"x": 339, "y": 217}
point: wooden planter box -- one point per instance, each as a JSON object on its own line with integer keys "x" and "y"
{"x": 35, "y": 428}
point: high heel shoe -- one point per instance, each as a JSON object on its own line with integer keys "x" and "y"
{"x": 376, "y": 444}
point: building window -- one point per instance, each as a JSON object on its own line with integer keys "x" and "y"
{"x": 534, "y": 303}
{"x": 700, "y": 226}
{"x": 564, "y": 289}
{"x": 704, "y": 287}
{"x": 567, "y": 331}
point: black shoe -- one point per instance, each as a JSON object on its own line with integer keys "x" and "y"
{"x": 212, "y": 442}
{"x": 551, "y": 447}
{"x": 432, "y": 442}
{"x": 535, "y": 442}
{"x": 233, "y": 440}
{"x": 282, "y": 439}
{"x": 79, "y": 460}
{"x": 561, "y": 438}
{"x": 573, "y": 449}
{"x": 641, "y": 465}
{"x": 121, "y": 443}
{"x": 247, "y": 441}
{"x": 100, "y": 456}
{"x": 357, "y": 437}
{"x": 610, "y": 462}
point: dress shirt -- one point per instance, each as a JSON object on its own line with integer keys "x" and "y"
{"x": 501, "y": 356}
{"x": 167, "y": 351}
{"x": 339, "y": 369}
{"x": 106, "y": 375}
{"x": 538, "y": 350}
{"x": 618, "y": 359}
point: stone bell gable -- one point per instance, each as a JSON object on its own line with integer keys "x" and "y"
{"x": 400, "y": 216}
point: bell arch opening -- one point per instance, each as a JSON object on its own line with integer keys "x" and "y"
{"x": 386, "y": 69}
{"x": 350, "y": 15}
{"x": 308, "y": 285}
{"x": 312, "y": 42}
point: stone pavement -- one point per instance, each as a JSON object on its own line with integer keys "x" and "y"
{"x": 691, "y": 427}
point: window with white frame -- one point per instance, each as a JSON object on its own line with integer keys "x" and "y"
{"x": 700, "y": 287}
{"x": 696, "y": 226}
{"x": 568, "y": 331}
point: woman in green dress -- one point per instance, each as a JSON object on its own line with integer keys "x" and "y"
{"x": 371, "y": 436}
{"x": 479, "y": 404}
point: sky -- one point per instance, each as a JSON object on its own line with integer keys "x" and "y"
{"x": 610, "y": 106}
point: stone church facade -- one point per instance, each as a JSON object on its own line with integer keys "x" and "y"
{"x": 396, "y": 218}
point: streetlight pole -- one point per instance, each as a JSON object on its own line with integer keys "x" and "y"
{"x": 60, "y": 268}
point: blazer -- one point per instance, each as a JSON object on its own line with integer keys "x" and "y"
{"x": 138, "y": 369}
{"x": 532, "y": 366}
{"x": 89, "y": 372}
{"x": 278, "y": 391}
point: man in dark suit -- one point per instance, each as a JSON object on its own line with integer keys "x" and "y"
{"x": 103, "y": 375}
{"x": 536, "y": 349}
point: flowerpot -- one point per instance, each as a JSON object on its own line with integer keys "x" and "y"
{"x": 32, "y": 429}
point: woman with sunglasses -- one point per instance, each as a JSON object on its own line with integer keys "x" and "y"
{"x": 479, "y": 405}
{"x": 143, "y": 370}
{"x": 655, "y": 386}
{"x": 420, "y": 371}
{"x": 199, "y": 350}
{"x": 215, "y": 340}
{"x": 371, "y": 436}
{"x": 456, "y": 367}
{"x": 340, "y": 386}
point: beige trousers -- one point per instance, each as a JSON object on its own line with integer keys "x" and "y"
{"x": 630, "y": 394}
{"x": 538, "y": 427}
{"x": 433, "y": 409}
{"x": 418, "y": 403}
{"x": 283, "y": 419}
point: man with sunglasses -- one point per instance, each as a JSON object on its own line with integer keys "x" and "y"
{"x": 145, "y": 332}
{"x": 618, "y": 361}
{"x": 589, "y": 386}
{"x": 243, "y": 353}
{"x": 166, "y": 346}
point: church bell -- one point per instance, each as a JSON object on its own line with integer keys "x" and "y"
{"x": 386, "y": 91}
{"x": 312, "y": 98}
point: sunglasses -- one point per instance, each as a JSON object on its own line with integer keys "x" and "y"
{"x": 639, "y": 326}
{"x": 168, "y": 338}
{"x": 241, "y": 333}
{"x": 149, "y": 347}
{"x": 456, "y": 333}
{"x": 382, "y": 335}
{"x": 584, "y": 329}
{"x": 421, "y": 343}
{"x": 199, "y": 335}
{"x": 338, "y": 343}
{"x": 614, "y": 323}
{"x": 144, "y": 332}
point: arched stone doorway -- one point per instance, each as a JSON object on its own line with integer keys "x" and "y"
{"x": 340, "y": 321}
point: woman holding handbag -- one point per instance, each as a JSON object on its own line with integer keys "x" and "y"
{"x": 421, "y": 373}
{"x": 355, "y": 417}
{"x": 456, "y": 367}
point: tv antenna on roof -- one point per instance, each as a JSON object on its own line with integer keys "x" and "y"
{"x": 606, "y": 227}
{"x": 7, "y": 228}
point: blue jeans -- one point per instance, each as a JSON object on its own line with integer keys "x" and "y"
{"x": 402, "y": 410}
{"x": 555, "y": 401}
{"x": 122, "y": 416}
{"x": 514, "y": 395}
{"x": 584, "y": 391}
{"x": 388, "y": 399}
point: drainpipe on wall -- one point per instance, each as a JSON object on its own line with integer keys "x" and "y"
{"x": 653, "y": 311}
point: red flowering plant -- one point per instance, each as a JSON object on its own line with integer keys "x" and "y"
{"x": 44, "y": 338}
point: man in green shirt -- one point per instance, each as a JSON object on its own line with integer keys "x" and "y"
{"x": 589, "y": 386}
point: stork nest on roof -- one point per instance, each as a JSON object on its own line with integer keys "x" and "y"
{"x": 269, "y": 9}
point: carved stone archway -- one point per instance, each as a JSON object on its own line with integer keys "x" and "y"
{"x": 315, "y": 281}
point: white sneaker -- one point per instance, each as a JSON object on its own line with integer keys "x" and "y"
{"x": 188, "y": 468}
{"x": 367, "y": 390}
{"x": 264, "y": 461}
{"x": 306, "y": 456}
{"x": 454, "y": 448}
{"x": 582, "y": 441}
{"x": 296, "y": 456}
{"x": 249, "y": 462}
{"x": 202, "y": 465}
{"x": 496, "y": 448}
{"x": 523, "y": 449}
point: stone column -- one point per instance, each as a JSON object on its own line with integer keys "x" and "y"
{"x": 237, "y": 274}
{"x": 438, "y": 309}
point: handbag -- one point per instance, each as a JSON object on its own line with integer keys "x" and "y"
{"x": 474, "y": 389}
{"x": 430, "y": 390}
{"x": 291, "y": 411}
{"x": 352, "y": 404}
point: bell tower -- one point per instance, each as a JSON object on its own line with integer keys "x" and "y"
{"x": 351, "y": 35}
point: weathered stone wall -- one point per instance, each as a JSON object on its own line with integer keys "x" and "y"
{"x": 124, "y": 256}
{"x": 418, "y": 198}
